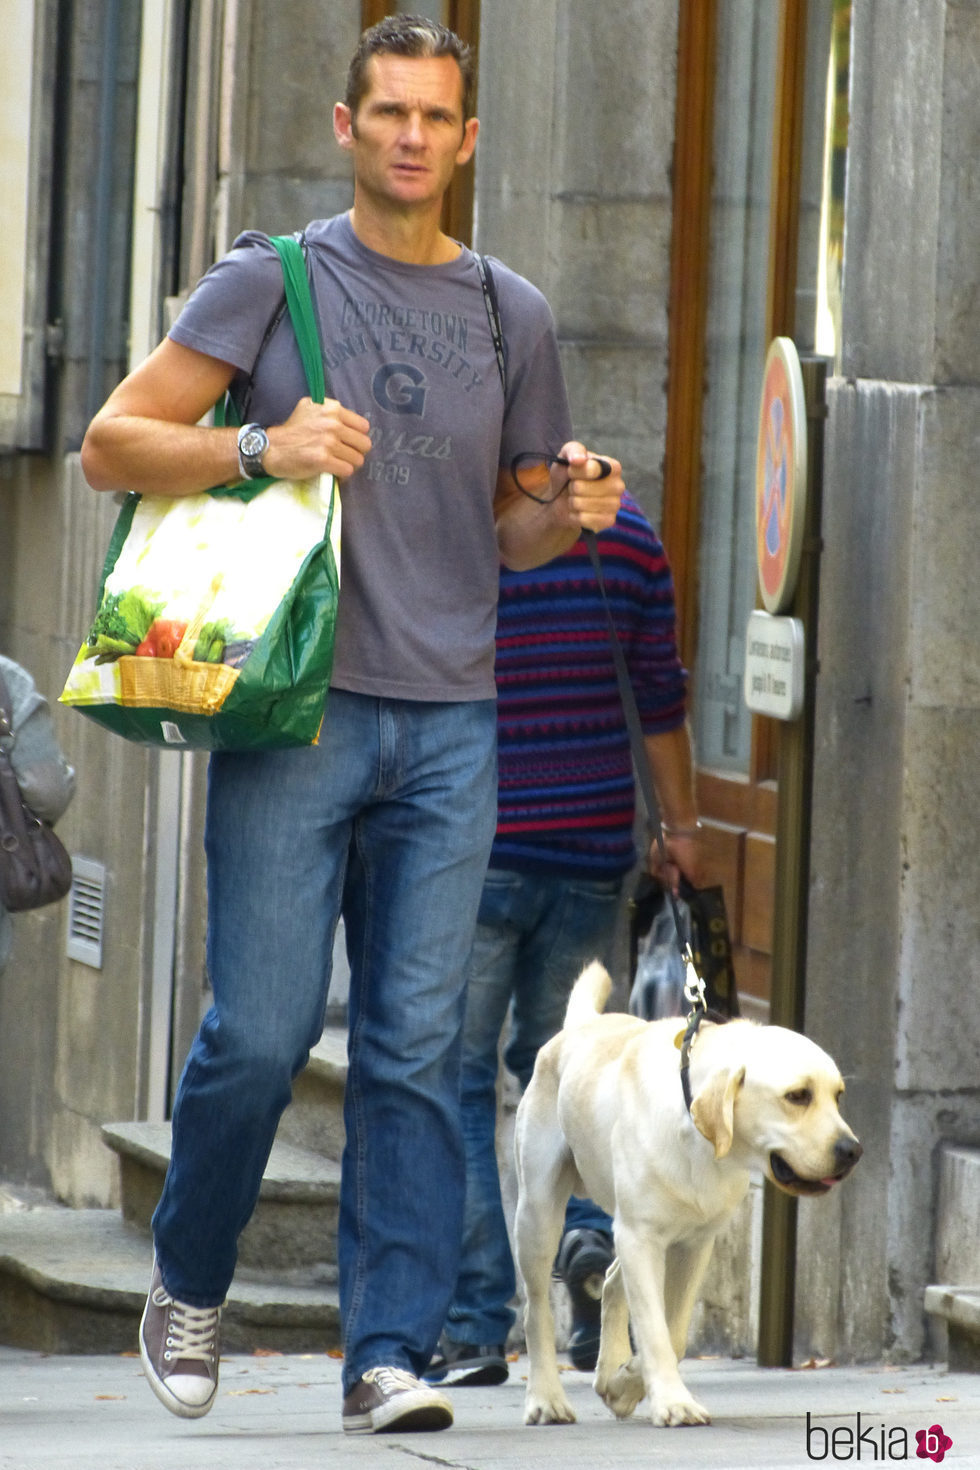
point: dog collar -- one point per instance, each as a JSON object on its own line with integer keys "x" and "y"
{"x": 699, "y": 1014}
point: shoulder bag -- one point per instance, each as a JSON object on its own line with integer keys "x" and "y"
{"x": 217, "y": 611}
{"x": 35, "y": 869}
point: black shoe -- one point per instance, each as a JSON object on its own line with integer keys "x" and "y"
{"x": 466, "y": 1364}
{"x": 583, "y": 1259}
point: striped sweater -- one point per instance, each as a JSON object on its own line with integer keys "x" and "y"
{"x": 566, "y": 789}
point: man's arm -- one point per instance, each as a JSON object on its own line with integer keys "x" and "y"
{"x": 147, "y": 436}
{"x": 671, "y": 760}
{"x": 530, "y": 534}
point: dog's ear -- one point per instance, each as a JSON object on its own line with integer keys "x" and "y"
{"x": 713, "y": 1110}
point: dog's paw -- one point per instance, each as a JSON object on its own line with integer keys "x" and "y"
{"x": 622, "y": 1390}
{"x": 671, "y": 1412}
{"x": 548, "y": 1409}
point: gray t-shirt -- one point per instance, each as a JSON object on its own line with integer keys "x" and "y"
{"x": 410, "y": 348}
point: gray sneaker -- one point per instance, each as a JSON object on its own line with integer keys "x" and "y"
{"x": 392, "y": 1398}
{"x": 179, "y": 1348}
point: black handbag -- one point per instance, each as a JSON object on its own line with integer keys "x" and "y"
{"x": 35, "y": 869}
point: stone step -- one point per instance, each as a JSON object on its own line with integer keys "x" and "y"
{"x": 957, "y": 1308}
{"x": 75, "y": 1281}
{"x": 315, "y": 1117}
{"x": 955, "y": 1301}
{"x": 295, "y": 1222}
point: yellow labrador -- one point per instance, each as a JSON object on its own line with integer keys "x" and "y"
{"x": 605, "y": 1116}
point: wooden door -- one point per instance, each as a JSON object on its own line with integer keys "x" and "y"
{"x": 736, "y": 186}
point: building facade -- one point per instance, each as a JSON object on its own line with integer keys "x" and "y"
{"x": 685, "y": 179}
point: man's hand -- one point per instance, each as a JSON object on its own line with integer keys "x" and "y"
{"x": 685, "y": 857}
{"x": 591, "y": 501}
{"x": 318, "y": 438}
{"x": 530, "y": 534}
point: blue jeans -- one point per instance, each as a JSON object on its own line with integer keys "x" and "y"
{"x": 535, "y": 934}
{"x": 391, "y": 815}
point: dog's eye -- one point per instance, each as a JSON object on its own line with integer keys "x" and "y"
{"x": 801, "y": 1098}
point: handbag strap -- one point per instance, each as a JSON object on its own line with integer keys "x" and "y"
{"x": 493, "y": 316}
{"x": 6, "y": 715}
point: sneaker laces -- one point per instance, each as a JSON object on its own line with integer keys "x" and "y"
{"x": 191, "y": 1331}
{"x": 392, "y": 1380}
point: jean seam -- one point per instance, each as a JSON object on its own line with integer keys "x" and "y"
{"x": 357, "y": 1100}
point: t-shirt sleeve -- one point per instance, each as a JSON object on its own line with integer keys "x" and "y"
{"x": 230, "y": 309}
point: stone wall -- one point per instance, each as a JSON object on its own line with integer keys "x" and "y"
{"x": 573, "y": 190}
{"x": 894, "y": 924}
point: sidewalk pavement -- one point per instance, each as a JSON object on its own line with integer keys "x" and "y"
{"x": 283, "y": 1413}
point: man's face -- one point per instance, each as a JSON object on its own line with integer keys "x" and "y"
{"x": 408, "y": 135}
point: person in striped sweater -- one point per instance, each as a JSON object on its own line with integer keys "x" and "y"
{"x": 564, "y": 845}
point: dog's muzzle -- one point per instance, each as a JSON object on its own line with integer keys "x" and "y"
{"x": 847, "y": 1151}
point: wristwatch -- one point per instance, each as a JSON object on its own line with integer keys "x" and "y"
{"x": 253, "y": 442}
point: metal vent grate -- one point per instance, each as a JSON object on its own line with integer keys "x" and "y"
{"x": 86, "y": 912}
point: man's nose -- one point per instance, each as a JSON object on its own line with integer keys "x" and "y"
{"x": 413, "y": 134}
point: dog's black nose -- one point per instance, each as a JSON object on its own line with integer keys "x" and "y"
{"x": 847, "y": 1151}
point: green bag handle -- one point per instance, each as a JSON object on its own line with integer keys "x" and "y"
{"x": 299, "y": 303}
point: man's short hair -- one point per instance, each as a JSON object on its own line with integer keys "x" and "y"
{"x": 410, "y": 35}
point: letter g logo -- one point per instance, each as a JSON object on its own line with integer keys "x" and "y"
{"x": 400, "y": 388}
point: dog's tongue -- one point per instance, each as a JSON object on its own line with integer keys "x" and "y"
{"x": 830, "y": 1182}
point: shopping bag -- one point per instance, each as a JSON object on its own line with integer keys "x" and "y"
{"x": 657, "y": 970}
{"x": 216, "y": 612}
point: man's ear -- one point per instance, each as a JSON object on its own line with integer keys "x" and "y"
{"x": 470, "y": 129}
{"x": 713, "y": 1110}
{"x": 343, "y": 125}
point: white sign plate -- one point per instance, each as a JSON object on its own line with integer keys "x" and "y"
{"x": 774, "y": 658}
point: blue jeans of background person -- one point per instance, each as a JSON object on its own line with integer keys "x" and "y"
{"x": 394, "y": 810}
{"x": 535, "y": 933}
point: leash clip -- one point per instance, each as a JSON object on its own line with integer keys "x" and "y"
{"x": 694, "y": 990}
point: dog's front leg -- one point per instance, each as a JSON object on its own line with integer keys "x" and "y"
{"x": 618, "y": 1380}
{"x": 644, "y": 1270}
{"x": 686, "y": 1265}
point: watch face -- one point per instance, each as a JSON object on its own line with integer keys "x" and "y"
{"x": 254, "y": 443}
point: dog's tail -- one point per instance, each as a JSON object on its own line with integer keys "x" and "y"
{"x": 589, "y": 995}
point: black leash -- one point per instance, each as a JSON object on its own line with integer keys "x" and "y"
{"x": 694, "y": 991}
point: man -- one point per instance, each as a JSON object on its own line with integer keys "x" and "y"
{"x": 551, "y": 898}
{"x": 392, "y": 813}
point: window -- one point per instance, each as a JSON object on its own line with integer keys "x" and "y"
{"x": 25, "y": 170}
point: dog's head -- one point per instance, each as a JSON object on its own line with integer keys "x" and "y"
{"x": 771, "y": 1099}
